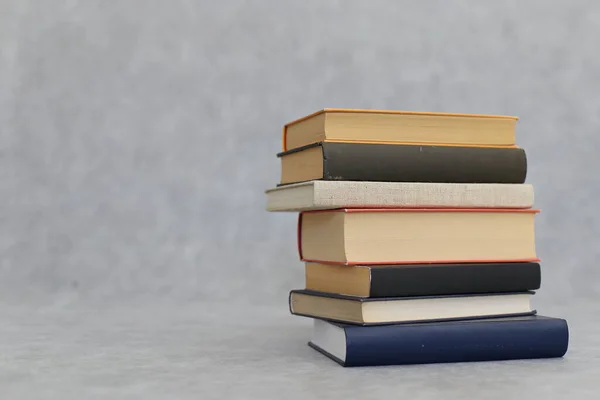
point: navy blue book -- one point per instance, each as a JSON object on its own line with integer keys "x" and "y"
{"x": 493, "y": 339}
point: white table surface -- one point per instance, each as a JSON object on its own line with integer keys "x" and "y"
{"x": 219, "y": 351}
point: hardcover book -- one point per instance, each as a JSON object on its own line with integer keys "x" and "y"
{"x": 321, "y": 195}
{"x": 393, "y": 127}
{"x": 422, "y": 279}
{"x": 393, "y": 310}
{"x": 402, "y": 163}
{"x": 413, "y": 236}
{"x": 494, "y": 339}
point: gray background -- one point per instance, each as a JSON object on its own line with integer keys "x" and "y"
{"x": 137, "y": 139}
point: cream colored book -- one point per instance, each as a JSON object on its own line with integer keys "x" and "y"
{"x": 371, "y": 236}
{"x": 322, "y": 195}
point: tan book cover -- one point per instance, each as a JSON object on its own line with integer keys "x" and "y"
{"x": 405, "y": 236}
{"x": 400, "y": 127}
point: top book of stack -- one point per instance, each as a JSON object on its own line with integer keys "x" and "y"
{"x": 400, "y": 127}
{"x": 400, "y": 146}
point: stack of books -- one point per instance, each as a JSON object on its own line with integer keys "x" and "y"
{"x": 417, "y": 234}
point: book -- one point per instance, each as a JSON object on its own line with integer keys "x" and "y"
{"x": 386, "y": 126}
{"x": 393, "y": 310}
{"x": 322, "y": 195}
{"x": 422, "y": 279}
{"x": 494, "y": 339}
{"x": 413, "y": 236}
{"x": 402, "y": 163}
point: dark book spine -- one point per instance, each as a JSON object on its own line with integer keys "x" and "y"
{"x": 411, "y": 163}
{"x": 457, "y": 342}
{"x": 430, "y": 280}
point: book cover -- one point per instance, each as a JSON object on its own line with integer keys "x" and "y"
{"x": 493, "y": 339}
{"x": 327, "y": 237}
{"x": 368, "y": 311}
{"x": 319, "y": 195}
{"x": 406, "y": 280}
{"x": 398, "y": 126}
{"x": 402, "y": 163}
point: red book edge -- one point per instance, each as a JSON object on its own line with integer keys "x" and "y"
{"x": 299, "y": 234}
{"x": 425, "y": 209}
{"x": 350, "y": 263}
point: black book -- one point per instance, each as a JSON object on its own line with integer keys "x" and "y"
{"x": 423, "y": 279}
{"x": 403, "y": 163}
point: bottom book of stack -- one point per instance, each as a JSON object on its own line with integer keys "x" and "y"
{"x": 493, "y": 339}
{"x": 415, "y": 314}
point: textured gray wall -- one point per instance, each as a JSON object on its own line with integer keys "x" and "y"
{"x": 137, "y": 137}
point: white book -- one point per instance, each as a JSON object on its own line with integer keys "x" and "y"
{"x": 322, "y": 195}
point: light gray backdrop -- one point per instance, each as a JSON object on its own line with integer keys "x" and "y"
{"x": 137, "y": 139}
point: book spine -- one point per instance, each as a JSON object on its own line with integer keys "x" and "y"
{"x": 299, "y": 235}
{"x": 460, "y": 342}
{"x": 420, "y": 280}
{"x": 284, "y": 138}
{"x": 413, "y": 163}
